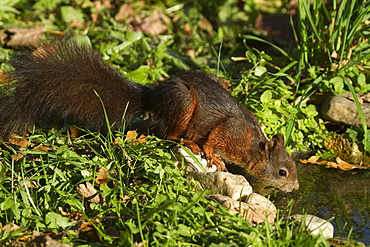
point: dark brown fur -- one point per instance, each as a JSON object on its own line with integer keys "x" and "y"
{"x": 60, "y": 80}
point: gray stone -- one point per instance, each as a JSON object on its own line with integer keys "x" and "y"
{"x": 314, "y": 224}
{"x": 342, "y": 108}
{"x": 255, "y": 208}
{"x": 224, "y": 183}
{"x": 193, "y": 162}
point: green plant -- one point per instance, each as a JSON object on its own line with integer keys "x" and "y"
{"x": 330, "y": 38}
{"x": 146, "y": 197}
{"x": 270, "y": 97}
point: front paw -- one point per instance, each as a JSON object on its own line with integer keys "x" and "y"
{"x": 218, "y": 162}
{"x": 194, "y": 148}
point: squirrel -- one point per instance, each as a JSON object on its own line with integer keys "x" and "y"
{"x": 64, "y": 79}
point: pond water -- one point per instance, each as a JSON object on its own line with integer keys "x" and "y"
{"x": 342, "y": 196}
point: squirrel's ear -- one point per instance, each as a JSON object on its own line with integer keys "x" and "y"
{"x": 276, "y": 140}
{"x": 279, "y": 138}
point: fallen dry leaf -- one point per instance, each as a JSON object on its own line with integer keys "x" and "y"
{"x": 101, "y": 178}
{"x": 21, "y": 36}
{"x": 88, "y": 191}
{"x": 314, "y": 160}
{"x": 44, "y": 148}
{"x": 17, "y": 156}
{"x": 75, "y": 132}
{"x": 343, "y": 165}
{"x": 15, "y": 139}
{"x": 88, "y": 231}
{"x": 9, "y": 227}
{"x": 339, "y": 164}
{"x": 132, "y": 135}
{"x": 125, "y": 11}
{"x": 156, "y": 23}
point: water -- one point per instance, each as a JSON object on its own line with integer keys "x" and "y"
{"x": 343, "y": 197}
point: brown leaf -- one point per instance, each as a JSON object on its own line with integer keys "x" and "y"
{"x": 206, "y": 26}
{"x": 88, "y": 231}
{"x": 75, "y": 132}
{"x": 15, "y": 139}
{"x": 125, "y": 199}
{"x": 343, "y": 165}
{"x": 17, "y": 156}
{"x": 44, "y": 148}
{"x": 21, "y": 36}
{"x": 132, "y": 135}
{"x": 157, "y": 23}
{"x": 73, "y": 216}
{"x": 88, "y": 191}
{"x": 314, "y": 160}
{"x": 190, "y": 53}
{"x": 9, "y": 227}
{"x": 339, "y": 164}
{"x": 125, "y": 11}
{"x": 101, "y": 178}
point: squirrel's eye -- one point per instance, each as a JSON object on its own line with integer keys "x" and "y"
{"x": 283, "y": 173}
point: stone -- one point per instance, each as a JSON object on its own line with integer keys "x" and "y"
{"x": 342, "y": 108}
{"x": 231, "y": 190}
{"x": 314, "y": 224}
{"x": 255, "y": 209}
{"x": 224, "y": 183}
{"x": 193, "y": 162}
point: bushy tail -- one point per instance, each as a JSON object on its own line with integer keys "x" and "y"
{"x": 58, "y": 80}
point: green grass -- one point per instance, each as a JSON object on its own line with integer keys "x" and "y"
{"x": 147, "y": 198}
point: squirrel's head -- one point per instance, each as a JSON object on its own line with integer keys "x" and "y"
{"x": 277, "y": 168}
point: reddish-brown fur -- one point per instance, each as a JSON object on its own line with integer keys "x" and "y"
{"x": 61, "y": 81}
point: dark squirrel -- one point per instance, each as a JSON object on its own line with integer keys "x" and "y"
{"x": 62, "y": 79}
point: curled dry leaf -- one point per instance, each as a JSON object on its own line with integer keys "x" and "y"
{"x": 314, "y": 160}
{"x": 125, "y": 12}
{"x": 44, "y": 148}
{"x": 338, "y": 164}
{"x": 343, "y": 165}
{"x": 21, "y": 36}
{"x": 101, "y": 178}
{"x": 88, "y": 191}
{"x": 9, "y": 227}
{"x": 191, "y": 53}
{"x": 73, "y": 216}
{"x": 14, "y": 139}
{"x": 133, "y": 135}
{"x": 156, "y": 23}
{"x": 88, "y": 231}
{"x": 17, "y": 156}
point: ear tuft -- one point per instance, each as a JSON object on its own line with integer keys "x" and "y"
{"x": 276, "y": 140}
